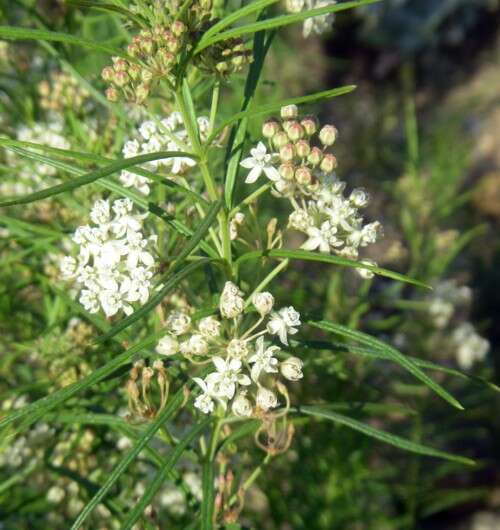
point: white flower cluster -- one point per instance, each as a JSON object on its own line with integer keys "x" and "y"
{"x": 114, "y": 265}
{"x": 318, "y": 24}
{"x": 30, "y": 176}
{"x": 470, "y": 346}
{"x": 445, "y": 300}
{"x": 246, "y": 365}
{"x": 157, "y": 136}
{"x": 301, "y": 170}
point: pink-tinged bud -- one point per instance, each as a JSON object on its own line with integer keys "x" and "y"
{"x": 142, "y": 92}
{"x": 165, "y": 58}
{"x": 310, "y": 126}
{"x": 108, "y": 74}
{"x": 178, "y": 28}
{"x": 289, "y": 112}
{"x": 133, "y": 49}
{"x": 295, "y": 131}
{"x": 119, "y": 64}
{"x": 328, "y": 135}
{"x": 280, "y": 139}
{"x": 112, "y": 94}
{"x": 287, "y": 153}
{"x": 134, "y": 72}
{"x": 315, "y": 156}
{"x": 287, "y": 171}
{"x": 303, "y": 148}
{"x": 270, "y": 128}
{"x": 147, "y": 45}
{"x": 121, "y": 78}
{"x": 146, "y": 75}
{"x": 303, "y": 176}
{"x": 173, "y": 43}
{"x": 329, "y": 163}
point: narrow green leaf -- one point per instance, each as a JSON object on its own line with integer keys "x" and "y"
{"x": 162, "y": 474}
{"x": 16, "y": 33}
{"x": 88, "y": 178}
{"x": 274, "y": 107}
{"x": 278, "y": 22}
{"x": 392, "y": 439}
{"x": 189, "y": 106}
{"x": 173, "y": 404}
{"x": 208, "y": 499}
{"x": 107, "y": 8}
{"x": 307, "y": 255}
{"x": 391, "y": 353}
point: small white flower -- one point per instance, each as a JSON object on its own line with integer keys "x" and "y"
{"x": 266, "y": 399}
{"x": 167, "y": 345}
{"x": 241, "y": 406}
{"x": 204, "y": 402}
{"x": 100, "y": 214}
{"x": 231, "y": 303}
{"x": 291, "y": 369}
{"x": 222, "y": 383}
{"x": 263, "y": 360}
{"x": 366, "y": 274}
{"x": 237, "y": 348}
{"x": 263, "y": 302}
{"x": 284, "y": 323}
{"x": 195, "y": 345}
{"x": 260, "y": 162}
{"x": 178, "y": 323}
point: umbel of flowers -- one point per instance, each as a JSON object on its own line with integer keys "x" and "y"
{"x": 247, "y": 367}
{"x": 299, "y": 163}
{"x": 160, "y": 135}
{"x": 114, "y": 265}
{"x": 159, "y": 53}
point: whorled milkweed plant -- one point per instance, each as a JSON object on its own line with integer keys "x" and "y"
{"x": 175, "y": 264}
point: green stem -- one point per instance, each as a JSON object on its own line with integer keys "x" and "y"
{"x": 267, "y": 280}
{"x": 214, "y": 107}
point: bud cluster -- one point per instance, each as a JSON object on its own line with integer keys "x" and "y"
{"x": 247, "y": 368}
{"x": 224, "y": 58}
{"x": 62, "y": 92}
{"x": 318, "y": 24}
{"x": 301, "y": 168}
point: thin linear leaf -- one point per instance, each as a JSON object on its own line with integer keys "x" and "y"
{"x": 253, "y": 7}
{"x": 88, "y": 178}
{"x": 107, "y": 8}
{"x": 162, "y": 474}
{"x": 307, "y": 255}
{"x": 173, "y": 404}
{"x": 278, "y": 22}
{"x": 30, "y": 413}
{"x": 392, "y": 439}
{"x": 16, "y": 33}
{"x": 234, "y": 147}
{"x": 391, "y": 353}
{"x": 208, "y": 497}
{"x": 273, "y": 107}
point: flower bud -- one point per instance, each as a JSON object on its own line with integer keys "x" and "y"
{"x": 165, "y": 58}
{"x": 280, "y": 139}
{"x": 112, "y": 94}
{"x": 237, "y": 348}
{"x": 133, "y": 49}
{"x": 310, "y": 126}
{"x": 367, "y": 274}
{"x": 329, "y": 163}
{"x": 315, "y": 156}
{"x": 209, "y": 327}
{"x": 294, "y": 6}
{"x": 327, "y": 135}
{"x": 146, "y": 75}
{"x": 266, "y": 399}
{"x": 195, "y": 345}
{"x": 142, "y": 92}
{"x": 146, "y": 44}
{"x": 303, "y": 148}
{"x": 295, "y": 131}
{"x": 222, "y": 67}
{"x": 270, "y": 128}
{"x": 178, "y": 28}
{"x": 134, "y": 72}
{"x": 303, "y": 176}
{"x": 287, "y": 171}
{"x": 291, "y": 369}
{"x": 108, "y": 74}
{"x": 178, "y": 323}
{"x": 119, "y": 64}
{"x": 359, "y": 198}
{"x": 121, "y": 78}
{"x": 168, "y": 345}
{"x": 287, "y": 153}
{"x": 289, "y": 112}
{"x": 263, "y": 302}
{"x": 241, "y": 406}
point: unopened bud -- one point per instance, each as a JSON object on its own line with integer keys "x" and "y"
{"x": 146, "y": 75}
{"x": 178, "y": 28}
{"x": 121, "y": 78}
{"x": 315, "y": 156}
{"x": 303, "y": 176}
{"x": 289, "y": 112}
{"x": 112, "y": 94}
{"x": 329, "y": 163}
{"x": 134, "y": 72}
{"x": 295, "y": 131}
{"x": 287, "y": 171}
{"x": 165, "y": 58}
{"x": 108, "y": 74}
{"x": 328, "y": 135}
{"x": 310, "y": 126}
{"x": 142, "y": 92}
{"x": 133, "y": 49}
{"x": 222, "y": 67}
{"x": 270, "y": 128}
{"x": 303, "y": 148}
{"x": 146, "y": 44}
{"x": 287, "y": 153}
{"x": 119, "y": 64}
{"x": 280, "y": 139}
